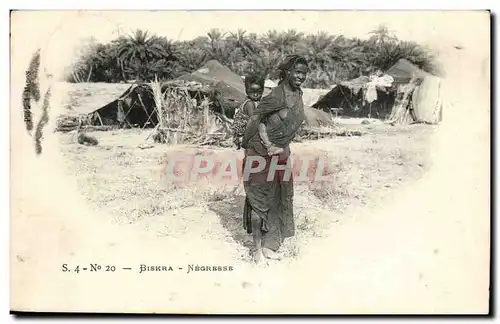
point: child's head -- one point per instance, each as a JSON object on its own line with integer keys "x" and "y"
{"x": 254, "y": 87}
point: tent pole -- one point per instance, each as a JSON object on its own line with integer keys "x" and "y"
{"x": 100, "y": 120}
{"x": 154, "y": 130}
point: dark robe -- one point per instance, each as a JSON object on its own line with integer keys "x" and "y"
{"x": 272, "y": 200}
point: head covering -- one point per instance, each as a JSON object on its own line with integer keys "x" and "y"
{"x": 290, "y": 61}
{"x": 254, "y": 78}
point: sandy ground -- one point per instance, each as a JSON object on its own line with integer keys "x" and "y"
{"x": 404, "y": 228}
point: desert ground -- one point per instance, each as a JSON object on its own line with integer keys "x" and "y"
{"x": 123, "y": 177}
{"x": 371, "y": 241}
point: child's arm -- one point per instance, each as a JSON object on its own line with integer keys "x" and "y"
{"x": 249, "y": 108}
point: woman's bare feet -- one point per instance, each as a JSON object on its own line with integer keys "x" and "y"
{"x": 270, "y": 254}
{"x": 259, "y": 258}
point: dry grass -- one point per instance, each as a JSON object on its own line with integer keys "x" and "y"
{"x": 180, "y": 118}
{"x": 125, "y": 181}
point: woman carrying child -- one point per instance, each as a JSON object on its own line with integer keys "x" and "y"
{"x": 268, "y": 211}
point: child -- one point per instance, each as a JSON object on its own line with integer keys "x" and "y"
{"x": 254, "y": 88}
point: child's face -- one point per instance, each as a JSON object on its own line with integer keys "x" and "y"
{"x": 254, "y": 92}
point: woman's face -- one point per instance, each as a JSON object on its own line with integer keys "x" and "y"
{"x": 297, "y": 75}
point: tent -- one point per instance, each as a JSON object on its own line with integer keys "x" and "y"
{"x": 133, "y": 107}
{"x": 136, "y": 106}
{"x": 224, "y": 89}
{"x": 313, "y": 117}
{"x": 348, "y": 99}
{"x": 403, "y": 71}
{"x": 316, "y": 118}
{"x": 425, "y": 103}
{"x": 229, "y": 86}
{"x": 422, "y": 104}
{"x": 212, "y": 73}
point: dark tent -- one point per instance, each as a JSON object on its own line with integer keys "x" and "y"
{"x": 348, "y": 96}
{"x": 224, "y": 88}
{"x": 404, "y": 70}
{"x": 228, "y": 85}
{"x": 136, "y": 106}
{"x": 339, "y": 97}
{"x": 213, "y": 72}
{"x": 423, "y": 101}
{"x": 350, "y": 103}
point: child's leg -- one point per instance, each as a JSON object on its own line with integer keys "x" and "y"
{"x": 263, "y": 135}
{"x": 271, "y": 148}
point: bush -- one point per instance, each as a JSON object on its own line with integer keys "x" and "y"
{"x": 332, "y": 58}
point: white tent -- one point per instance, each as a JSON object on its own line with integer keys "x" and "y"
{"x": 426, "y": 99}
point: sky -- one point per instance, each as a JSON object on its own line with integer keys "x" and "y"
{"x": 182, "y": 25}
{"x": 60, "y": 32}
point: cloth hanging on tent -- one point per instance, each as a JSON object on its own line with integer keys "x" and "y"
{"x": 371, "y": 93}
{"x": 377, "y": 82}
{"x": 356, "y": 84}
{"x": 384, "y": 81}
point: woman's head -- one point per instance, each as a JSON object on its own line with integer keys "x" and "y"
{"x": 254, "y": 86}
{"x": 293, "y": 70}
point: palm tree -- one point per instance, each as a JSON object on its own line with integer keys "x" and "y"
{"x": 192, "y": 58}
{"x": 290, "y": 39}
{"x": 331, "y": 57}
{"x": 217, "y": 48}
{"x": 285, "y": 42}
{"x": 382, "y": 35}
{"x": 265, "y": 53}
{"x": 245, "y": 50}
{"x": 317, "y": 48}
{"x": 264, "y": 63}
{"x": 139, "y": 49}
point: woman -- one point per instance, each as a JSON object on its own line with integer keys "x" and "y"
{"x": 268, "y": 212}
